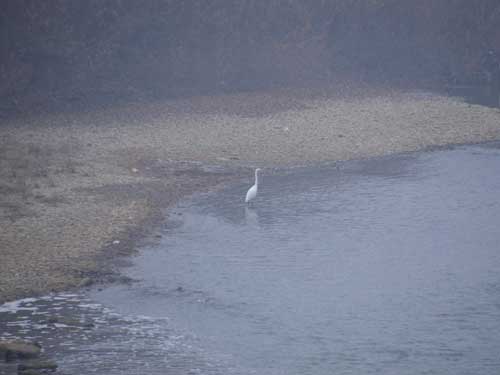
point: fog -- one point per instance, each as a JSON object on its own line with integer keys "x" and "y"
{"x": 82, "y": 52}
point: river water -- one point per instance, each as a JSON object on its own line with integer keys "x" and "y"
{"x": 383, "y": 266}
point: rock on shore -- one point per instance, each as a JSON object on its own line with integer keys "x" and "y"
{"x": 11, "y": 350}
{"x": 36, "y": 365}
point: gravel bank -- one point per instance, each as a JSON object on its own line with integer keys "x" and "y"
{"x": 79, "y": 189}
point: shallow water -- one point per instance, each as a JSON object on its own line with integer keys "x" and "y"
{"x": 389, "y": 265}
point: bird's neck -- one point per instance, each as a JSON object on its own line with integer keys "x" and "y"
{"x": 256, "y": 178}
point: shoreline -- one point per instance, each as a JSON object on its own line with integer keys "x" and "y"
{"x": 81, "y": 192}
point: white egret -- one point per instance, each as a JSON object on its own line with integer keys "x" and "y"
{"x": 252, "y": 192}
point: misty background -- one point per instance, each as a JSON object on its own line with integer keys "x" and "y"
{"x": 80, "y": 52}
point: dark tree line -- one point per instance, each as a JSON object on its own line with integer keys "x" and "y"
{"x": 76, "y": 49}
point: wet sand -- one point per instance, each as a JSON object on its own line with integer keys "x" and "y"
{"x": 79, "y": 190}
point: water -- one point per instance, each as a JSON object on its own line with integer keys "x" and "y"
{"x": 85, "y": 337}
{"x": 384, "y": 266}
{"x": 485, "y": 95}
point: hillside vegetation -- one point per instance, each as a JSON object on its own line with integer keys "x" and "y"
{"x": 75, "y": 51}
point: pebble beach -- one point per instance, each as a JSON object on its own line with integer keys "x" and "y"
{"x": 82, "y": 190}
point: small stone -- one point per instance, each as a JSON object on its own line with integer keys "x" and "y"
{"x": 29, "y": 372}
{"x": 37, "y": 365}
{"x": 52, "y": 320}
{"x": 70, "y": 322}
{"x": 88, "y": 325}
{"x": 18, "y": 349}
{"x": 86, "y": 281}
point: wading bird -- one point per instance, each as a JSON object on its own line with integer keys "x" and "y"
{"x": 252, "y": 192}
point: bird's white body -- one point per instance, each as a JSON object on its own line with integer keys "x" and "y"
{"x": 252, "y": 192}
